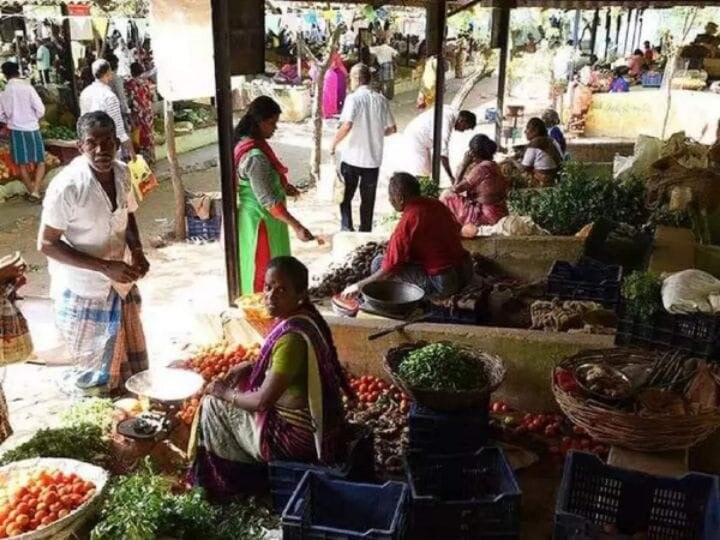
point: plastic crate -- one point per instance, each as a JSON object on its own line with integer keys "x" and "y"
{"x": 596, "y": 498}
{"x": 463, "y": 497}
{"x": 586, "y": 280}
{"x": 358, "y": 466}
{"x": 651, "y": 80}
{"x": 432, "y": 432}
{"x": 204, "y": 229}
{"x": 697, "y": 335}
{"x": 325, "y": 508}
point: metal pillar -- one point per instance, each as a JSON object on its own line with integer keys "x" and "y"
{"x": 441, "y": 17}
{"x": 594, "y": 31}
{"x": 608, "y": 29}
{"x": 627, "y": 31}
{"x": 501, "y": 40}
{"x": 223, "y": 96}
{"x": 69, "y": 62}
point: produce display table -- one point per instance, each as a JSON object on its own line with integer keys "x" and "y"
{"x": 65, "y": 150}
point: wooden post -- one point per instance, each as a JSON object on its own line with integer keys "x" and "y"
{"x": 501, "y": 40}
{"x": 69, "y": 62}
{"x": 177, "y": 183}
{"x": 594, "y": 31}
{"x": 608, "y": 29}
{"x": 441, "y": 10}
{"x": 641, "y": 16}
{"x": 635, "y": 30}
{"x": 617, "y": 34}
{"x": 223, "y": 96}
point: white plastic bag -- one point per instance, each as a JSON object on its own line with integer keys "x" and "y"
{"x": 689, "y": 291}
{"x": 622, "y": 166}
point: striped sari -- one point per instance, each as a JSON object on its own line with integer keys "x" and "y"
{"x": 230, "y": 440}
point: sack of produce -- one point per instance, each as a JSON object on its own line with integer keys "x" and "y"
{"x": 142, "y": 178}
{"x": 689, "y": 291}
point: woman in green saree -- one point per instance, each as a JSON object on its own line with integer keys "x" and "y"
{"x": 263, "y": 188}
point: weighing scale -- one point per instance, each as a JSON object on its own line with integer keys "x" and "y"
{"x": 165, "y": 390}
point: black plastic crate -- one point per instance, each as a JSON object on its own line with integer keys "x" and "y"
{"x": 600, "y": 501}
{"x": 325, "y": 508}
{"x": 433, "y": 432}
{"x": 587, "y": 280}
{"x": 697, "y": 334}
{"x": 463, "y": 497}
{"x": 204, "y": 229}
{"x": 358, "y": 466}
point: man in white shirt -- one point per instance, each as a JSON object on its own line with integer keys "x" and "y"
{"x": 386, "y": 58}
{"x": 420, "y": 136}
{"x": 89, "y": 234}
{"x": 366, "y": 119}
{"x": 44, "y": 61}
{"x": 100, "y": 97}
{"x": 21, "y": 109}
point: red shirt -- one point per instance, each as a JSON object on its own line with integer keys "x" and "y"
{"x": 428, "y": 235}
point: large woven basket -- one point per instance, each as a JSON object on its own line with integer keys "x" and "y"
{"x": 643, "y": 433}
{"x": 440, "y": 400}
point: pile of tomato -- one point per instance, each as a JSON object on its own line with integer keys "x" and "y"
{"x": 43, "y": 499}
{"x": 214, "y": 362}
{"x": 369, "y": 389}
{"x": 555, "y": 429}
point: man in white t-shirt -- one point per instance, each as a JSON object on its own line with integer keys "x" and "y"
{"x": 89, "y": 235}
{"x": 420, "y": 136}
{"x": 365, "y": 120}
{"x": 386, "y": 58}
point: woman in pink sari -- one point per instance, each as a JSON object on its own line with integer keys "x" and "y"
{"x": 335, "y": 87}
{"x": 478, "y": 198}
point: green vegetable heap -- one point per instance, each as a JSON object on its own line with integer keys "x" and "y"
{"x": 439, "y": 366}
{"x": 642, "y": 292}
{"x": 144, "y": 506}
{"x": 428, "y": 187}
{"x": 83, "y": 442}
{"x": 59, "y": 132}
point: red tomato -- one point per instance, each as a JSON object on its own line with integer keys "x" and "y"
{"x": 22, "y": 520}
{"x": 363, "y": 388}
{"x": 62, "y": 513}
{"x": 50, "y": 498}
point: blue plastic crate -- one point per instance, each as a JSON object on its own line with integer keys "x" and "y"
{"x": 358, "y": 466}
{"x": 596, "y": 499}
{"x": 490, "y": 114}
{"x": 463, "y": 497}
{"x": 587, "y": 280}
{"x": 651, "y": 80}
{"x": 433, "y": 432}
{"x": 204, "y": 229}
{"x": 325, "y": 508}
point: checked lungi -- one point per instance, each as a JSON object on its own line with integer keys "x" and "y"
{"x": 26, "y": 147}
{"x": 104, "y": 337}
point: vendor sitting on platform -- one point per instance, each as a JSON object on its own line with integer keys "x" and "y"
{"x": 287, "y": 406}
{"x": 425, "y": 249}
{"x": 543, "y": 156}
{"x": 619, "y": 82}
{"x": 478, "y": 198}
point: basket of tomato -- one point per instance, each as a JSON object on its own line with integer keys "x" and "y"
{"x": 44, "y": 498}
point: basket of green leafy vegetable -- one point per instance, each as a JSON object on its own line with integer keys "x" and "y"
{"x": 444, "y": 376}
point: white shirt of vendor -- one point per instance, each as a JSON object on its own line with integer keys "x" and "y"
{"x": 76, "y": 203}
{"x": 369, "y": 112}
{"x": 384, "y": 53}
{"x": 541, "y": 160}
{"x": 20, "y": 106}
{"x": 419, "y": 135}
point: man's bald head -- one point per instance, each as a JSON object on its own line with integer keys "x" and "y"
{"x": 360, "y": 75}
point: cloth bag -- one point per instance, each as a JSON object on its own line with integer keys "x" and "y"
{"x": 690, "y": 291}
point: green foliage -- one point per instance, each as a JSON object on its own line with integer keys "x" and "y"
{"x": 143, "y": 506}
{"x": 83, "y": 442}
{"x": 642, "y": 294}
{"x": 678, "y": 218}
{"x": 428, "y": 187}
{"x": 93, "y": 411}
{"x": 581, "y": 196}
{"x": 439, "y": 366}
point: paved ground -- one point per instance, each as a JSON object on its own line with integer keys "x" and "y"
{"x": 186, "y": 280}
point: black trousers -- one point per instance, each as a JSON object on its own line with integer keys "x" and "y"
{"x": 368, "y": 180}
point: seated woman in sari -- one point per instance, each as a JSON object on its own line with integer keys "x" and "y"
{"x": 288, "y": 406}
{"x": 478, "y": 198}
{"x": 543, "y": 156}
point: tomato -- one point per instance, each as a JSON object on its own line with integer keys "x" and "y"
{"x": 50, "y": 498}
{"x": 39, "y": 515}
{"x": 62, "y": 513}
{"x": 22, "y": 508}
{"x": 41, "y": 506}
{"x": 47, "y": 520}
{"x": 22, "y": 520}
{"x": 363, "y": 388}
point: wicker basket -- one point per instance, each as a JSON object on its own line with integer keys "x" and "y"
{"x": 643, "y": 433}
{"x": 443, "y": 400}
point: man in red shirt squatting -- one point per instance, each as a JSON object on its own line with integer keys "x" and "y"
{"x": 425, "y": 249}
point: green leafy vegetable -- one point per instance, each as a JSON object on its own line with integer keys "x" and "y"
{"x": 581, "y": 196}
{"x": 93, "y": 411}
{"x": 428, "y": 187}
{"x": 642, "y": 292}
{"x": 83, "y": 442}
{"x": 439, "y": 366}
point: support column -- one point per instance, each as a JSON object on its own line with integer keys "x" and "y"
{"x": 627, "y": 31}
{"x": 500, "y": 40}
{"x": 441, "y": 18}
{"x": 594, "y": 31}
{"x": 68, "y": 59}
{"x": 223, "y": 96}
{"x": 608, "y": 29}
